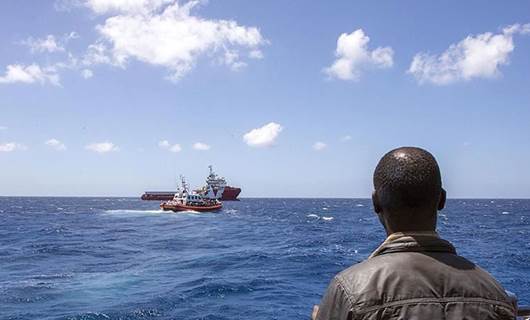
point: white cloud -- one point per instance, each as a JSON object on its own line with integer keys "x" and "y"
{"x": 102, "y": 147}
{"x": 255, "y": 54}
{"x": 98, "y": 53}
{"x": 517, "y": 28}
{"x": 264, "y": 136}
{"x": 125, "y": 6}
{"x": 30, "y": 74}
{"x": 478, "y": 56}
{"x": 55, "y": 144}
{"x": 87, "y": 73}
{"x": 165, "y": 33}
{"x": 164, "y": 144}
{"x": 318, "y": 146}
{"x": 353, "y": 56}
{"x": 11, "y": 146}
{"x": 3, "y": 128}
{"x": 48, "y": 44}
{"x": 201, "y": 146}
{"x": 175, "y": 148}
{"x": 346, "y": 138}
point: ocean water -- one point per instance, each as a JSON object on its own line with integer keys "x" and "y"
{"x": 122, "y": 258}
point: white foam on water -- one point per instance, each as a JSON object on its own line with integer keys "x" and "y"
{"x": 327, "y": 218}
{"x": 359, "y": 205}
{"x": 230, "y": 211}
{"x": 324, "y": 208}
{"x": 505, "y": 212}
{"x": 312, "y": 215}
{"x": 131, "y": 211}
{"x": 188, "y": 211}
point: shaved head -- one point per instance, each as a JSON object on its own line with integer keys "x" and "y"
{"x": 408, "y": 178}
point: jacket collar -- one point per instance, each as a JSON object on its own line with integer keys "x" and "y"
{"x": 418, "y": 241}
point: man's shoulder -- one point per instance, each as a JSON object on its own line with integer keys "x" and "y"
{"x": 369, "y": 266}
{"x": 395, "y": 273}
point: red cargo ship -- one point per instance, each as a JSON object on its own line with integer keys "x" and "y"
{"x": 213, "y": 180}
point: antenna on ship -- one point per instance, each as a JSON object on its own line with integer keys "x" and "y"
{"x": 184, "y": 184}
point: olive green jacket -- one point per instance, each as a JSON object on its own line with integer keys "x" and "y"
{"x": 415, "y": 276}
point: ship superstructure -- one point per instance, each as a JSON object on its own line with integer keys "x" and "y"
{"x": 213, "y": 181}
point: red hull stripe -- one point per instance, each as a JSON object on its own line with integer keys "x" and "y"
{"x": 192, "y": 208}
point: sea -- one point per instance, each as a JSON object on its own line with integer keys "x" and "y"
{"x": 123, "y": 258}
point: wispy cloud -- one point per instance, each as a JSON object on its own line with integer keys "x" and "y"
{"x": 201, "y": 146}
{"x": 48, "y": 44}
{"x": 3, "y": 128}
{"x": 16, "y": 73}
{"x": 11, "y": 146}
{"x": 478, "y": 56}
{"x": 102, "y": 147}
{"x": 319, "y": 146}
{"x": 346, "y": 138}
{"x": 55, "y": 144}
{"x": 353, "y": 56}
{"x": 264, "y": 136}
{"x": 87, "y": 73}
{"x": 164, "y": 144}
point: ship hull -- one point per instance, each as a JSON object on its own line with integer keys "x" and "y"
{"x": 181, "y": 207}
{"x": 229, "y": 194}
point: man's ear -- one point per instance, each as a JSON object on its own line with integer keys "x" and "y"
{"x": 375, "y": 202}
{"x": 443, "y": 197}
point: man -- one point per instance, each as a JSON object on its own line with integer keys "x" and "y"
{"x": 414, "y": 274}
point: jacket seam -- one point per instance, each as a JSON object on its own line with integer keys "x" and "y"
{"x": 346, "y": 291}
{"x": 436, "y": 300}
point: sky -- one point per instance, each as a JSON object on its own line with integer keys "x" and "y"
{"x": 284, "y": 98}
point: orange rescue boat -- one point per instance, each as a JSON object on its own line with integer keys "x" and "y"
{"x": 193, "y": 201}
{"x": 176, "y": 207}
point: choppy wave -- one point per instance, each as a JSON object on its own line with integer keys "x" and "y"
{"x": 255, "y": 259}
{"x": 316, "y": 216}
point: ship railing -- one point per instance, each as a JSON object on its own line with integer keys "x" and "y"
{"x": 523, "y": 312}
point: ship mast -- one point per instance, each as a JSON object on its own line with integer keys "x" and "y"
{"x": 184, "y": 184}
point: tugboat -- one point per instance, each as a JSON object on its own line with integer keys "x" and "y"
{"x": 184, "y": 200}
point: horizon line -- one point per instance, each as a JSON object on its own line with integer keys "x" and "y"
{"x": 242, "y": 198}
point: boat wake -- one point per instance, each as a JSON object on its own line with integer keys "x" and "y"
{"x": 132, "y": 211}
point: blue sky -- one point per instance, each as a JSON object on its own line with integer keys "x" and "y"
{"x": 110, "y": 97}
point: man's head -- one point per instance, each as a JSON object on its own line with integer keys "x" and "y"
{"x": 408, "y": 190}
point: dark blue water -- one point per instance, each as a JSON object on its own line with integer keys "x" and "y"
{"x": 98, "y": 258}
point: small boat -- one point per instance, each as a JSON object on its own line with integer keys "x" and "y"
{"x": 176, "y": 207}
{"x": 184, "y": 200}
